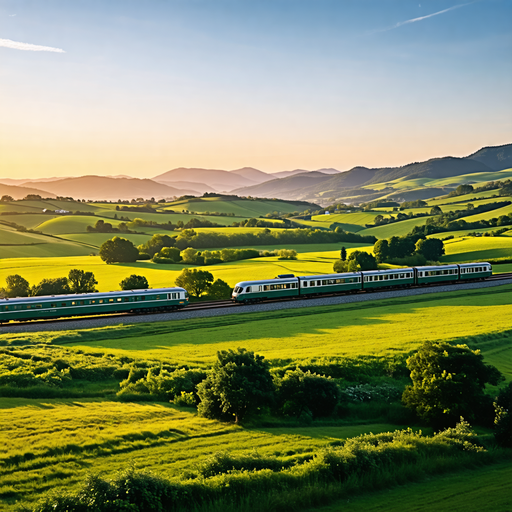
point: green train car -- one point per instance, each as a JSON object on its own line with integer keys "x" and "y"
{"x": 57, "y": 306}
{"x": 288, "y": 285}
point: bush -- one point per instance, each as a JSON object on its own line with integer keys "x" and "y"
{"x": 134, "y": 282}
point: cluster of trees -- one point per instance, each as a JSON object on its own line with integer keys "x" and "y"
{"x": 190, "y": 238}
{"x": 198, "y": 282}
{"x": 257, "y": 223}
{"x": 461, "y": 190}
{"x": 78, "y": 281}
{"x": 418, "y": 203}
{"x": 452, "y": 221}
{"x": 106, "y": 227}
{"x": 504, "y": 187}
{"x": 395, "y": 249}
{"x": 358, "y": 260}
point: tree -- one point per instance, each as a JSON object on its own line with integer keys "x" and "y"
{"x": 343, "y": 254}
{"x": 503, "y": 420}
{"x": 301, "y": 393}
{"x": 189, "y": 255}
{"x": 341, "y": 266}
{"x": 436, "y": 210}
{"x": 195, "y": 281}
{"x": 134, "y": 282}
{"x": 365, "y": 260}
{"x": 51, "y": 286}
{"x": 287, "y": 254}
{"x": 239, "y": 384}
{"x": 219, "y": 290}
{"x": 81, "y": 281}
{"x": 6, "y": 199}
{"x": 170, "y": 253}
{"x": 431, "y": 248}
{"x": 448, "y": 382}
{"x": 381, "y": 250}
{"x": 118, "y": 250}
{"x": 156, "y": 243}
{"x": 17, "y": 286}
{"x": 464, "y": 189}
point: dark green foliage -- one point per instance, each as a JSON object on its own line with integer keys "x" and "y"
{"x": 436, "y": 210}
{"x": 195, "y": 281}
{"x": 343, "y": 254}
{"x": 17, "y": 286}
{"x": 232, "y": 481}
{"x": 134, "y": 282}
{"x": 167, "y": 255}
{"x": 461, "y": 190}
{"x": 219, "y": 290}
{"x": 155, "y": 244}
{"x": 364, "y": 260}
{"x": 448, "y": 382}
{"x": 431, "y": 248}
{"x": 238, "y": 385}
{"x": 51, "y": 286}
{"x": 81, "y": 281}
{"x": 503, "y": 419}
{"x": 418, "y": 203}
{"x": 190, "y": 238}
{"x": 306, "y": 393}
{"x": 118, "y": 250}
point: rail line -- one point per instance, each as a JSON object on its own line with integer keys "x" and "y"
{"x": 217, "y": 304}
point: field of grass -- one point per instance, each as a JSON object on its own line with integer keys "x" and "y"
{"x": 505, "y": 210}
{"x": 310, "y": 261}
{"x": 54, "y": 444}
{"x": 376, "y": 328}
{"x": 482, "y": 489}
{"x": 464, "y": 199}
{"x": 471, "y": 248}
{"x": 394, "y": 229}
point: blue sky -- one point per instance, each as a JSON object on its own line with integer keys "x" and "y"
{"x": 131, "y": 87}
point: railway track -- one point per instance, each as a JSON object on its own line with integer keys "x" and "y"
{"x": 223, "y": 304}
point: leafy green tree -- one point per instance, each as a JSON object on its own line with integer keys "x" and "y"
{"x": 189, "y": 255}
{"x": 503, "y": 419}
{"x": 365, "y": 260}
{"x": 381, "y": 250}
{"x": 51, "y": 286}
{"x": 219, "y": 290}
{"x": 171, "y": 253}
{"x": 118, "y": 250}
{"x": 81, "y": 281}
{"x": 448, "y": 382}
{"x": 287, "y": 254}
{"x": 307, "y": 393}
{"x": 464, "y": 189}
{"x": 6, "y": 199}
{"x": 195, "y": 281}
{"x": 134, "y": 282}
{"x": 431, "y": 248}
{"x": 17, "y": 286}
{"x": 239, "y": 384}
{"x": 156, "y": 243}
{"x": 436, "y": 210}
{"x": 343, "y": 254}
{"x": 341, "y": 266}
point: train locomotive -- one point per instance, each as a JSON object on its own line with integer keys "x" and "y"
{"x": 288, "y": 285}
{"x": 127, "y": 301}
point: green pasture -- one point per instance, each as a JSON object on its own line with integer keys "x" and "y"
{"x": 400, "y": 228}
{"x": 59, "y": 442}
{"x": 69, "y": 224}
{"x": 464, "y": 199}
{"x": 475, "y": 490}
{"x": 96, "y": 239}
{"x": 310, "y": 261}
{"x": 465, "y": 232}
{"x": 29, "y": 220}
{"x": 374, "y": 328}
{"x": 467, "y": 249}
{"x": 505, "y": 210}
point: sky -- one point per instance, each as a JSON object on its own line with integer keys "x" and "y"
{"x": 136, "y": 88}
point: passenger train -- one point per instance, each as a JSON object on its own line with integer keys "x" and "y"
{"x": 288, "y": 285}
{"x": 128, "y": 301}
{"x": 284, "y": 286}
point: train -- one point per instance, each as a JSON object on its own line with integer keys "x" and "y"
{"x": 245, "y": 292}
{"x": 288, "y": 285}
{"x": 126, "y": 301}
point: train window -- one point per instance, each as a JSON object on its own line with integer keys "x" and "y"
{"x": 93, "y": 301}
{"x": 82, "y": 303}
{"x": 73, "y": 303}
{"x": 305, "y": 284}
{"x": 127, "y": 299}
{"x": 119, "y": 299}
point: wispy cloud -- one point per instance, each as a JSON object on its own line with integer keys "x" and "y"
{"x": 421, "y": 18}
{"x": 15, "y": 45}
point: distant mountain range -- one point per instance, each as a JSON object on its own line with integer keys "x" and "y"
{"x": 357, "y": 184}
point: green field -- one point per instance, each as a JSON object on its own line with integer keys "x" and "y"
{"x": 476, "y": 490}
{"x": 394, "y": 229}
{"x": 476, "y": 248}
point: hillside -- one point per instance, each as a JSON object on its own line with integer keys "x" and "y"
{"x": 495, "y": 157}
{"x": 17, "y": 192}
{"x": 110, "y": 189}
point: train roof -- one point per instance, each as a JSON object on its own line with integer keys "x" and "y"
{"x": 266, "y": 281}
{"x": 99, "y": 295}
{"x": 479, "y": 264}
